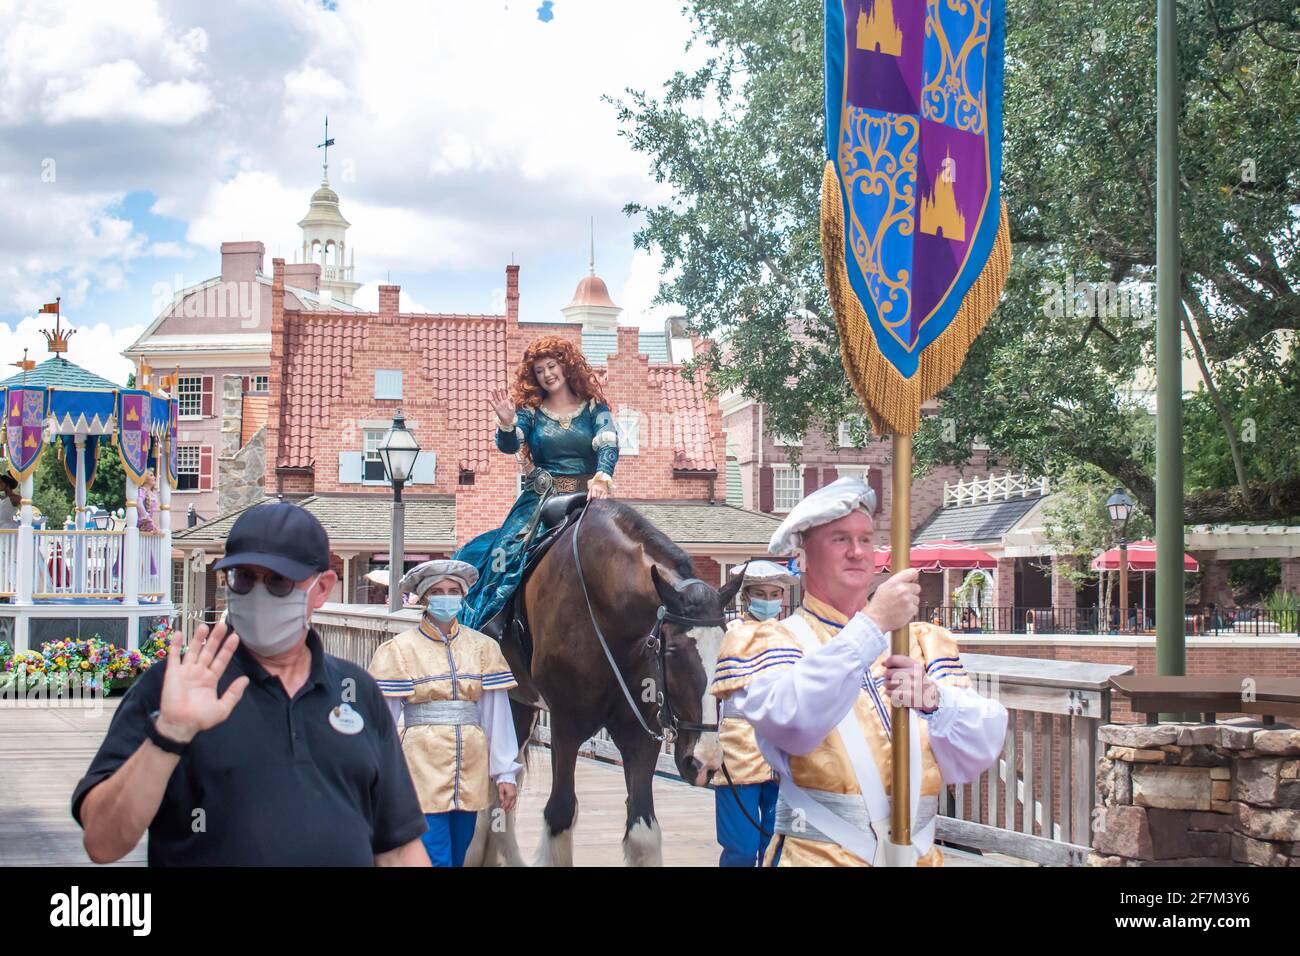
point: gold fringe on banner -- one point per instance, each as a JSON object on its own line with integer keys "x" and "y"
{"x": 892, "y": 402}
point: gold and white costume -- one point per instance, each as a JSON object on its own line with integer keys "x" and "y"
{"x": 459, "y": 733}
{"x": 740, "y": 753}
{"x": 796, "y": 681}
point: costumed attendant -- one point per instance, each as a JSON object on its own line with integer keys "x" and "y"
{"x": 554, "y": 416}
{"x": 745, "y": 797}
{"x": 448, "y": 684}
{"x": 817, "y": 688}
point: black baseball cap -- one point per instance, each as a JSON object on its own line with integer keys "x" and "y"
{"x": 281, "y": 537}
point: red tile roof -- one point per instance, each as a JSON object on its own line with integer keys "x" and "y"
{"x": 317, "y": 364}
{"x": 464, "y": 358}
{"x": 686, "y": 403}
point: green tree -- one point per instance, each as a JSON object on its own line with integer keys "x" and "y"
{"x": 740, "y": 142}
{"x": 54, "y": 495}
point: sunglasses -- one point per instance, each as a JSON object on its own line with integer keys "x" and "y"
{"x": 241, "y": 581}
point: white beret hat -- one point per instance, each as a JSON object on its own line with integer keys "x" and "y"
{"x": 826, "y": 504}
{"x": 764, "y": 572}
{"x": 423, "y": 576}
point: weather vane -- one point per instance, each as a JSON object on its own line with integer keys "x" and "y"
{"x": 58, "y": 339}
{"x": 326, "y": 146}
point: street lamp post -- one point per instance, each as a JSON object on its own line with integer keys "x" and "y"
{"x": 1120, "y": 507}
{"x": 398, "y": 450}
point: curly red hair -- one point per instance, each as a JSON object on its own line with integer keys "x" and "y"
{"x": 582, "y": 378}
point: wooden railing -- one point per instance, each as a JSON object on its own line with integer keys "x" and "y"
{"x": 1035, "y": 804}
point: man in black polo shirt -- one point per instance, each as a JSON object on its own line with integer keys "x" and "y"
{"x": 255, "y": 747}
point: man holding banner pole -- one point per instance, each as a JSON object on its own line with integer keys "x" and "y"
{"x": 915, "y": 237}
{"x": 817, "y": 689}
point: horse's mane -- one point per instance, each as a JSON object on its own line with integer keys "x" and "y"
{"x": 659, "y": 546}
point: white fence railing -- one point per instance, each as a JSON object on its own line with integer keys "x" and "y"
{"x": 8, "y": 563}
{"x": 76, "y": 564}
{"x": 153, "y": 572}
{"x": 978, "y": 491}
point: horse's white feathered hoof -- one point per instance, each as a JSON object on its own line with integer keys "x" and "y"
{"x": 556, "y": 850}
{"x": 643, "y": 845}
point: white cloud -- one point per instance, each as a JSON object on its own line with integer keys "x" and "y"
{"x": 68, "y": 61}
{"x": 121, "y": 91}
{"x": 96, "y": 348}
{"x": 640, "y": 289}
{"x": 465, "y": 131}
{"x": 58, "y": 242}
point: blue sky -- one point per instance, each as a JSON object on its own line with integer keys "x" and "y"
{"x": 142, "y": 134}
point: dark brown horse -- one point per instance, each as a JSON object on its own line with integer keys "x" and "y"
{"x": 631, "y": 571}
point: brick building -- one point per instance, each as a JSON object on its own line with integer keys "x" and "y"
{"x": 337, "y": 379}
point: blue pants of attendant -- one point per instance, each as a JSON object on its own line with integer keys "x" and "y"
{"x": 742, "y": 844}
{"x": 449, "y": 836}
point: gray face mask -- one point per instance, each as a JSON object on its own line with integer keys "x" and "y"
{"x": 268, "y": 624}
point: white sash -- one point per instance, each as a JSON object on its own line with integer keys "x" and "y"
{"x": 874, "y": 844}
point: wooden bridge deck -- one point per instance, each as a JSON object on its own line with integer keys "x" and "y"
{"x": 44, "y": 752}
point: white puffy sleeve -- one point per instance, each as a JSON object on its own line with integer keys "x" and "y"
{"x": 967, "y": 731}
{"x": 499, "y": 728}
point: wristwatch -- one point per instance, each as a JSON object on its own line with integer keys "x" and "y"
{"x": 163, "y": 742}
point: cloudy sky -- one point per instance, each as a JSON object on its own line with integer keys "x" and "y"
{"x": 136, "y": 136}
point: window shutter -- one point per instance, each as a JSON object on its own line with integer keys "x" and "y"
{"x": 809, "y": 480}
{"x": 350, "y": 465}
{"x": 876, "y": 479}
{"x": 829, "y": 475}
{"x": 766, "y": 496}
{"x": 205, "y": 468}
{"x": 247, "y": 383}
{"x": 426, "y": 466}
{"x": 206, "y": 409}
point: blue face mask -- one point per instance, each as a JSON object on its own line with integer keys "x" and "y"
{"x": 764, "y": 610}
{"x": 444, "y": 607}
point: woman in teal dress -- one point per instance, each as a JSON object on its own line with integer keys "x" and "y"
{"x": 555, "y": 420}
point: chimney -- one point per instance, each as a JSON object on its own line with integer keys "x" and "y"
{"x": 241, "y": 261}
{"x": 629, "y": 342}
{"x": 303, "y": 275}
{"x": 389, "y": 297}
{"x": 512, "y": 295}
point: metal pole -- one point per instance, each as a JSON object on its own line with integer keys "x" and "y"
{"x": 1123, "y": 585}
{"x": 396, "y": 562}
{"x": 1170, "y": 626}
{"x": 900, "y": 545}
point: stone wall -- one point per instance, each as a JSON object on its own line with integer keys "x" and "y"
{"x": 243, "y": 475}
{"x": 1198, "y": 795}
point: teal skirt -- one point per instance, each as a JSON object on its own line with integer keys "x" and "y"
{"x": 499, "y": 557}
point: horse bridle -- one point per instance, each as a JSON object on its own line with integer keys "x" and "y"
{"x": 669, "y": 723}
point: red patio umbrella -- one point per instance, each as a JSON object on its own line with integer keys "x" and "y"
{"x": 941, "y": 556}
{"x": 1141, "y": 557}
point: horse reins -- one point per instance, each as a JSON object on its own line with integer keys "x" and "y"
{"x": 669, "y": 723}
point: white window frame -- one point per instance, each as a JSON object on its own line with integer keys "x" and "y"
{"x": 377, "y": 436}
{"x": 183, "y": 393}
{"x": 197, "y": 471}
{"x": 797, "y": 471}
{"x": 852, "y": 471}
{"x": 255, "y": 379}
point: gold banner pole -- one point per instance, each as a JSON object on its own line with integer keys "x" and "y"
{"x": 900, "y": 543}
